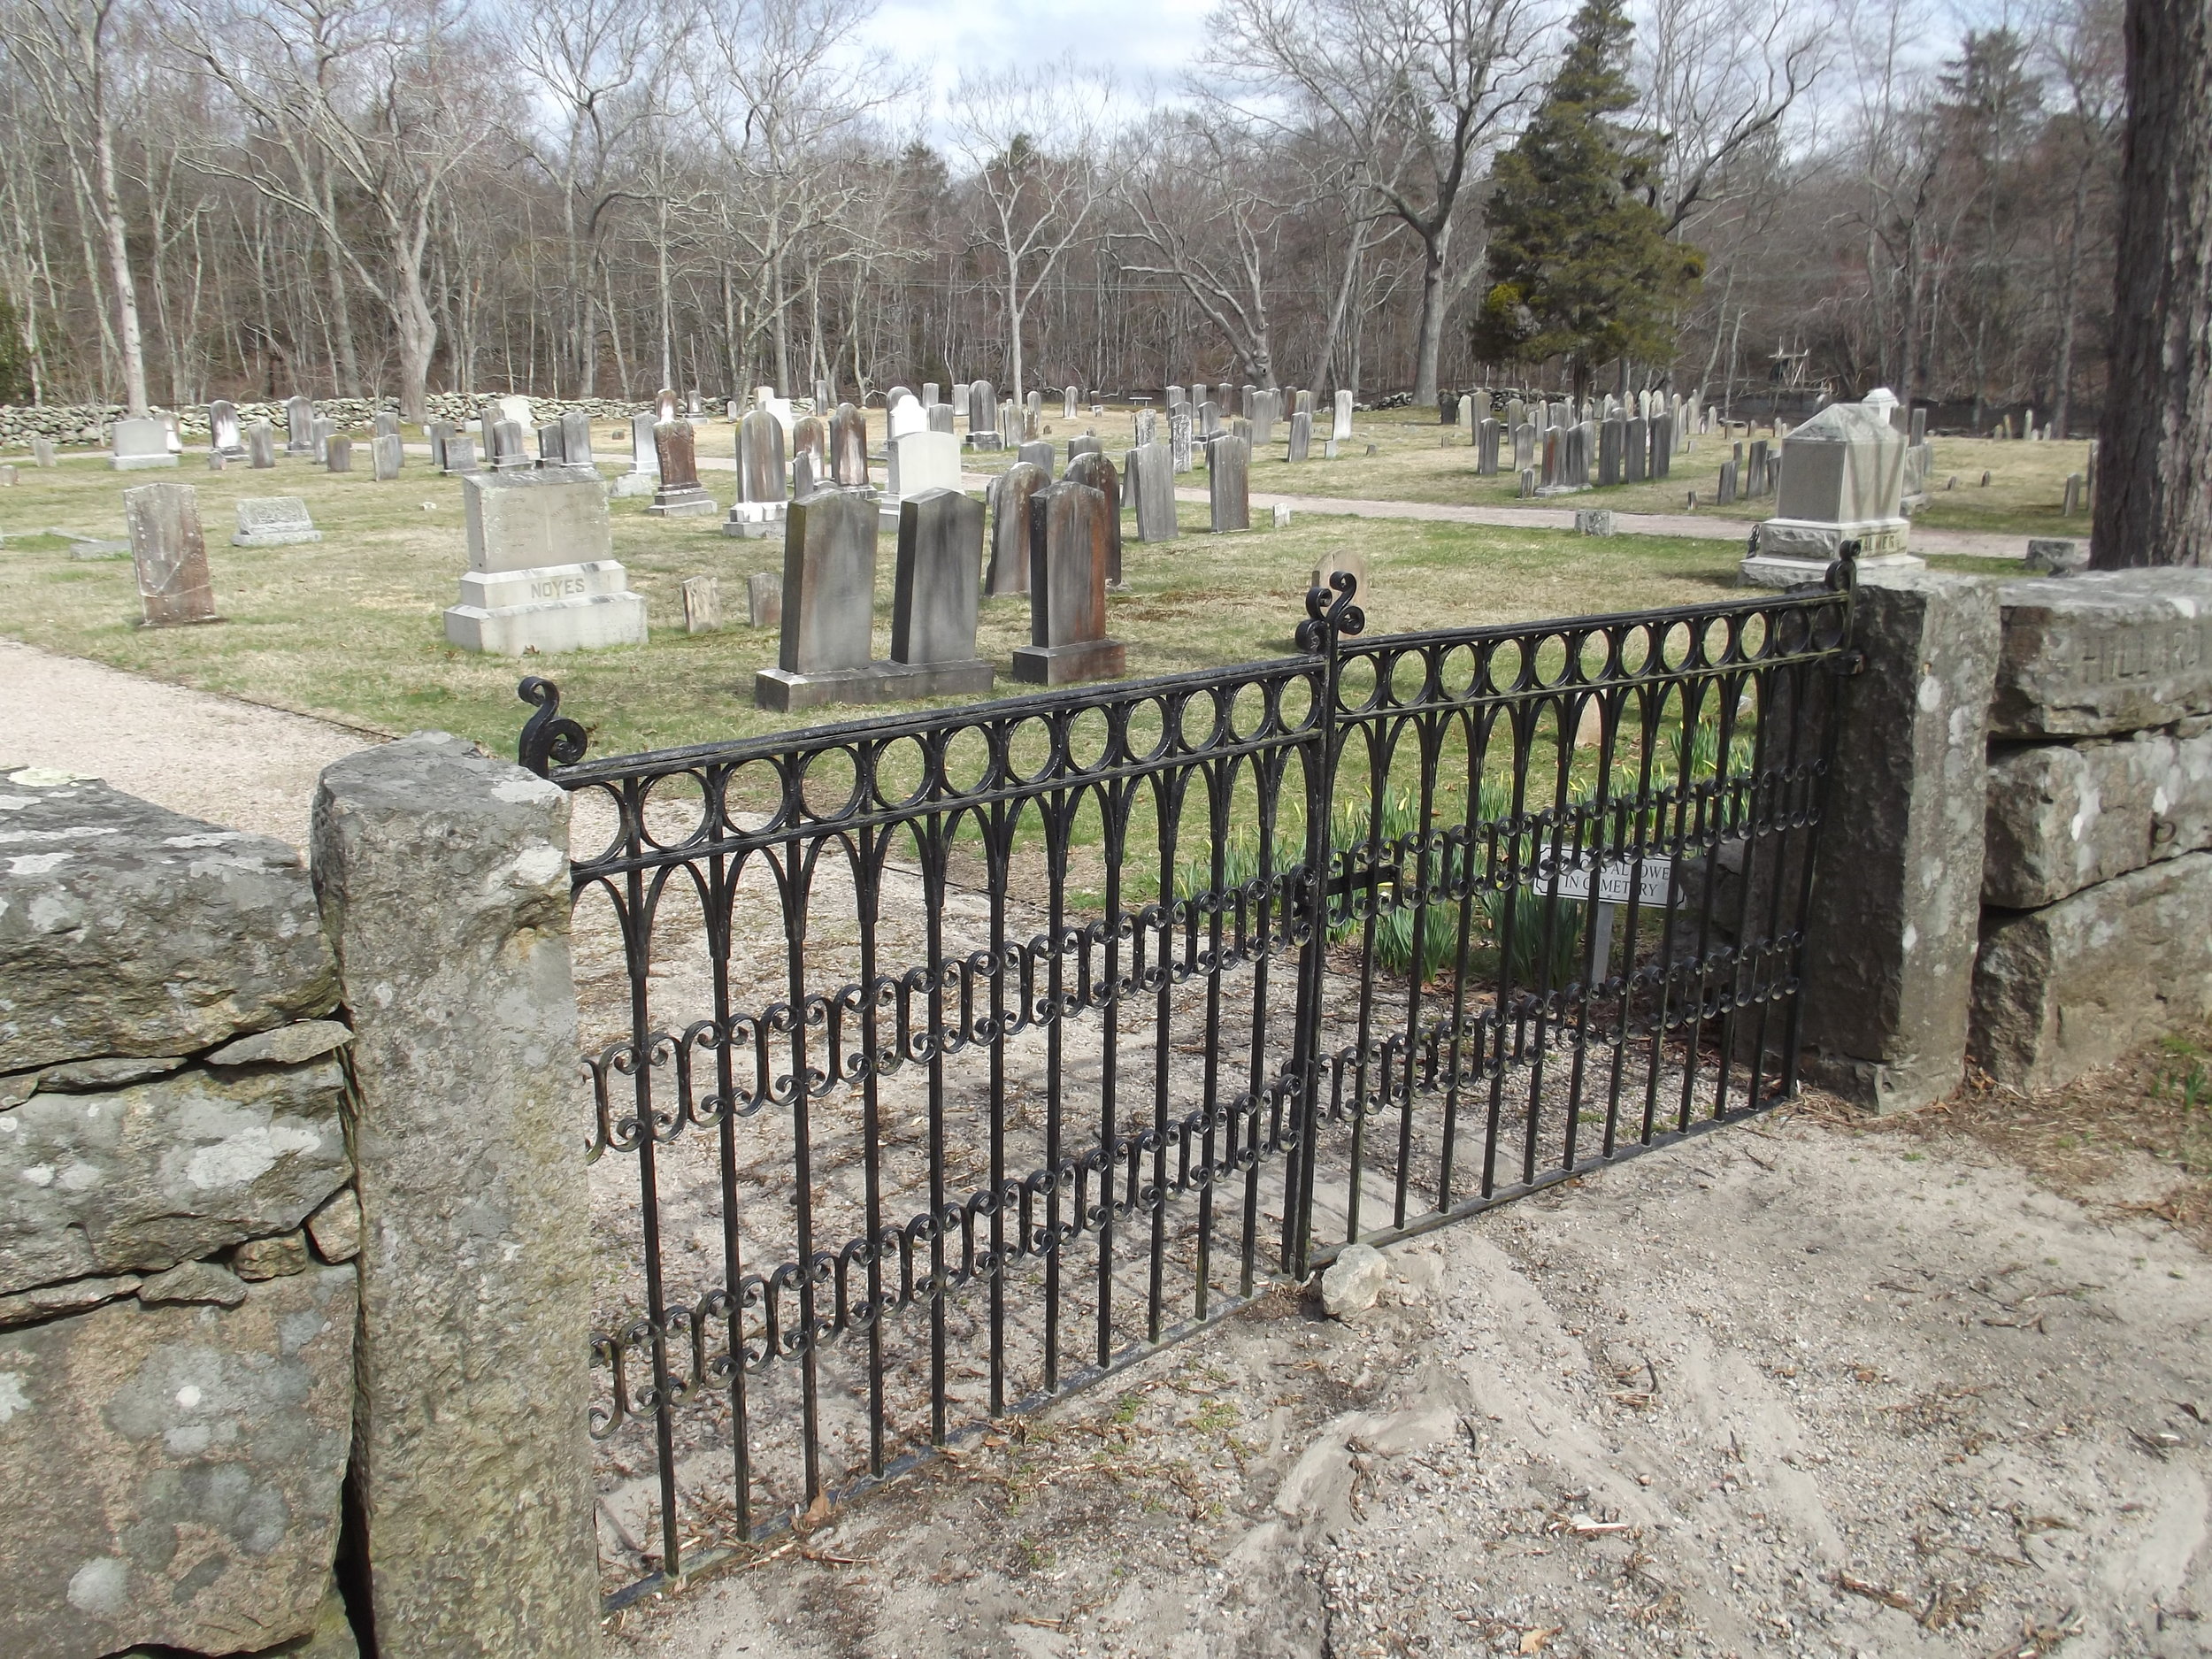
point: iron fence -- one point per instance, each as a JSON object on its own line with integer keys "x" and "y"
{"x": 942, "y": 1063}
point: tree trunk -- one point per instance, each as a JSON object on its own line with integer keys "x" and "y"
{"x": 2154, "y": 461}
{"x": 417, "y": 341}
{"x": 1434, "y": 302}
{"x": 133, "y": 347}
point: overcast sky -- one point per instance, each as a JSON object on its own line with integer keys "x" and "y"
{"x": 1135, "y": 40}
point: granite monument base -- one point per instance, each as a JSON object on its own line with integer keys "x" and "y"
{"x": 682, "y": 503}
{"x": 1794, "y": 550}
{"x": 786, "y": 693}
{"x": 1067, "y": 664}
{"x": 547, "y": 608}
{"x": 628, "y": 484}
{"x": 755, "y": 520}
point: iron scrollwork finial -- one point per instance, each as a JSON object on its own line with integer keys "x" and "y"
{"x": 547, "y": 740}
{"x": 1330, "y": 612}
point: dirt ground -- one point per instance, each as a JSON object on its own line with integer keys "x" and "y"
{"x": 1808, "y": 1386}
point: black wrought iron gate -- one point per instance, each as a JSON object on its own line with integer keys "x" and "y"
{"x": 942, "y": 1063}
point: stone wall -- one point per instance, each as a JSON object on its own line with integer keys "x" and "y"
{"x": 2096, "y": 932}
{"x": 178, "y": 1232}
{"x": 90, "y": 423}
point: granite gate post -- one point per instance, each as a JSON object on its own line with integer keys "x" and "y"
{"x": 442, "y": 877}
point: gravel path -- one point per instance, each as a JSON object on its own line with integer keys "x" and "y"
{"x": 212, "y": 757}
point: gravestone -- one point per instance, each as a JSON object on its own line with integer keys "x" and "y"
{"x": 42, "y": 452}
{"x": 1092, "y": 468}
{"x": 763, "y": 599}
{"x": 542, "y": 574}
{"x": 508, "y": 452}
{"x": 1843, "y": 477}
{"x": 1150, "y": 475}
{"x": 663, "y": 406}
{"x": 983, "y": 433}
{"x": 1173, "y": 399}
{"x": 1555, "y": 457}
{"x": 935, "y": 597}
{"x": 917, "y": 463}
{"x": 299, "y": 426}
{"x": 1486, "y": 449}
{"x": 1229, "y": 483}
{"x": 905, "y": 414}
{"x": 222, "y": 430}
{"x": 645, "y": 459}
{"x": 938, "y": 416}
{"x": 1208, "y": 420}
{"x": 460, "y": 456}
{"x": 437, "y": 432}
{"x": 1033, "y": 414}
{"x": 1178, "y": 437}
{"x": 576, "y": 438}
{"x": 273, "y": 521}
{"x": 760, "y": 505}
{"x": 1523, "y": 446}
{"x": 1067, "y": 591}
{"x": 702, "y": 604}
{"x": 1067, "y": 403}
{"x": 804, "y": 478}
{"x": 1300, "y": 445}
{"x": 1265, "y": 405}
{"x": 337, "y": 454}
{"x": 1008, "y": 497}
{"x": 692, "y": 410}
{"x": 139, "y": 444}
{"x": 385, "y": 454}
{"x": 1342, "y": 429}
{"x": 1612, "y": 435}
{"x": 849, "y": 447}
{"x": 1662, "y": 427}
{"x": 930, "y": 398}
{"x": 829, "y": 588}
{"x": 1087, "y": 444}
{"x": 1724, "y": 488}
{"x": 1594, "y": 521}
{"x": 551, "y": 439}
{"x": 1756, "y": 484}
{"x": 810, "y": 438}
{"x": 680, "y": 496}
{"x": 1635, "y": 450}
{"x": 825, "y": 396}
{"x": 386, "y": 425}
{"x": 168, "y": 555}
{"x": 1346, "y": 560}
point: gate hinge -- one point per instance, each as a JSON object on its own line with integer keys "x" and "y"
{"x": 1843, "y": 664}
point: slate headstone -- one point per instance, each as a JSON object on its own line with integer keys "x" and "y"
{"x": 169, "y": 555}
{"x": 1008, "y": 498}
{"x": 1067, "y": 590}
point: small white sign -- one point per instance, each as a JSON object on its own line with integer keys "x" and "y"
{"x": 1652, "y": 877}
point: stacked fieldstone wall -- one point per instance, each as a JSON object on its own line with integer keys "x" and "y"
{"x": 91, "y": 422}
{"x": 178, "y": 1232}
{"x": 2096, "y": 932}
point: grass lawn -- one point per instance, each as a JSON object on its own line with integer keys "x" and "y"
{"x": 350, "y": 626}
{"x": 2024, "y": 496}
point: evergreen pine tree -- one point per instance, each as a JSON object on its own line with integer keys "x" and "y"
{"x": 1579, "y": 262}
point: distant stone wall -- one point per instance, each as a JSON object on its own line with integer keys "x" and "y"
{"x": 90, "y": 423}
{"x": 2096, "y": 932}
{"x": 177, "y": 1235}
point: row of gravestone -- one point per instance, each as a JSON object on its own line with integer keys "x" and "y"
{"x": 1627, "y": 450}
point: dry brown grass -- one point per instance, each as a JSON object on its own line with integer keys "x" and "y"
{"x": 2137, "y": 1135}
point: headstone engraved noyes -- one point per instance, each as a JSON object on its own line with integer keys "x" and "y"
{"x": 1007, "y": 498}
{"x": 542, "y": 575}
{"x": 759, "y": 508}
{"x": 168, "y": 555}
{"x": 1843, "y": 477}
{"x": 140, "y": 444}
{"x": 679, "y": 496}
{"x": 1067, "y": 590}
{"x": 273, "y": 521}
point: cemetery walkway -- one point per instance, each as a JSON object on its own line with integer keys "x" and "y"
{"x": 195, "y": 752}
{"x": 1972, "y": 544}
